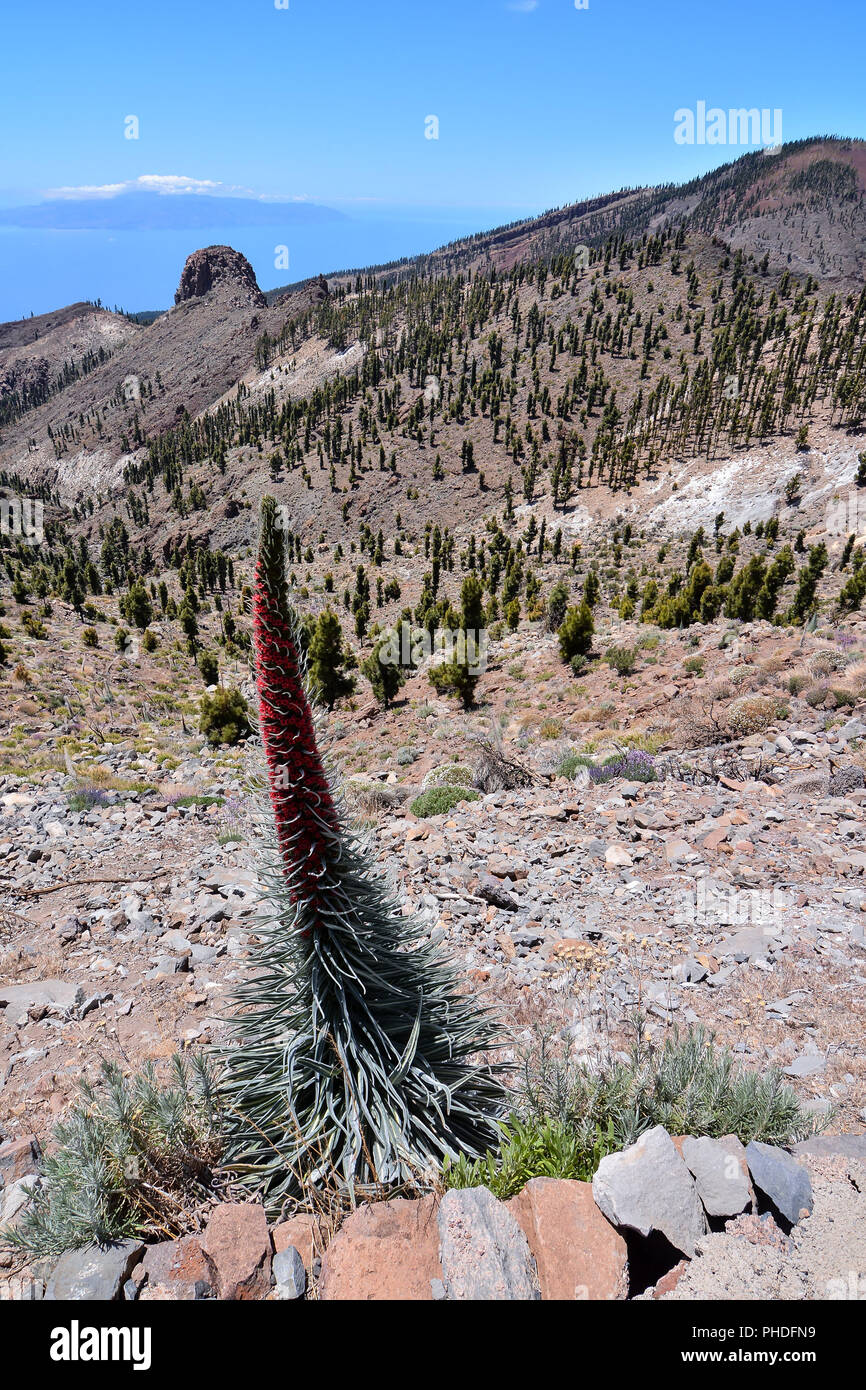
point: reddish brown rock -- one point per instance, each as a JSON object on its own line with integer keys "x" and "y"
{"x": 214, "y": 266}
{"x": 19, "y": 1157}
{"x": 303, "y": 1233}
{"x": 237, "y": 1248}
{"x": 180, "y": 1265}
{"x": 577, "y": 1252}
{"x": 669, "y": 1281}
{"x": 387, "y": 1250}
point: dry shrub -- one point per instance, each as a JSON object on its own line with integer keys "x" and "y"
{"x": 751, "y": 715}
{"x": 775, "y": 663}
{"x": 815, "y": 695}
{"x": 720, "y": 690}
{"x": 701, "y": 724}
{"x": 798, "y": 681}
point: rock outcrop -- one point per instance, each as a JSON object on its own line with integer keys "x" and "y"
{"x": 217, "y": 267}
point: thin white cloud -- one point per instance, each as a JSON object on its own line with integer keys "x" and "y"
{"x": 167, "y": 184}
{"x": 522, "y": 6}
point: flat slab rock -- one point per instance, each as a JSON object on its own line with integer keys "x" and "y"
{"x": 830, "y": 1145}
{"x": 648, "y": 1188}
{"x": 578, "y": 1254}
{"x": 781, "y": 1179}
{"x": 52, "y": 993}
{"x": 721, "y": 1175}
{"x": 386, "y": 1250}
{"x": 485, "y": 1255}
{"x": 94, "y": 1273}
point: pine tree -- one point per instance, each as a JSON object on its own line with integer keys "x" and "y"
{"x": 576, "y": 632}
{"x": 462, "y": 674}
{"x": 386, "y": 677}
{"x": 329, "y": 661}
{"x": 352, "y": 1055}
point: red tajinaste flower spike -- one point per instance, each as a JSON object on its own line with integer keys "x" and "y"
{"x": 353, "y": 1056}
{"x": 306, "y": 818}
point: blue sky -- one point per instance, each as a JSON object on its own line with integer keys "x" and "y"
{"x": 327, "y": 99}
{"x": 538, "y": 103}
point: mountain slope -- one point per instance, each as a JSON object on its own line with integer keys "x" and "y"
{"x": 804, "y": 206}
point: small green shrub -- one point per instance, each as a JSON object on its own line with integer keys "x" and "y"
{"x": 571, "y": 762}
{"x": 90, "y": 637}
{"x": 438, "y": 800}
{"x": 693, "y": 666}
{"x": 621, "y": 659}
{"x": 224, "y": 717}
{"x": 34, "y": 627}
{"x": 132, "y": 1158}
{"x": 208, "y": 668}
{"x": 533, "y": 1148}
{"x": 86, "y": 798}
{"x": 689, "y": 1085}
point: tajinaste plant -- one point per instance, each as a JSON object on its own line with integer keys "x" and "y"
{"x": 351, "y": 1061}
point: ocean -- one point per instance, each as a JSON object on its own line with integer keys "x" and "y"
{"x": 42, "y": 270}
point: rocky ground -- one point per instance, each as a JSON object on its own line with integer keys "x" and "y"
{"x": 727, "y": 891}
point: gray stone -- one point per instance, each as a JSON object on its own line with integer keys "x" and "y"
{"x": 94, "y": 1273}
{"x": 648, "y": 1188}
{"x": 829, "y": 1145}
{"x": 52, "y": 994}
{"x": 176, "y": 941}
{"x": 485, "y": 1255}
{"x": 693, "y": 971}
{"x": 15, "y": 1196}
{"x": 290, "y": 1276}
{"x": 847, "y": 779}
{"x": 722, "y": 1182}
{"x": 204, "y": 955}
{"x": 809, "y": 1064}
{"x": 748, "y": 944}
{"x": 781, "y": 1179}
{"x": 169, "y": 965}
